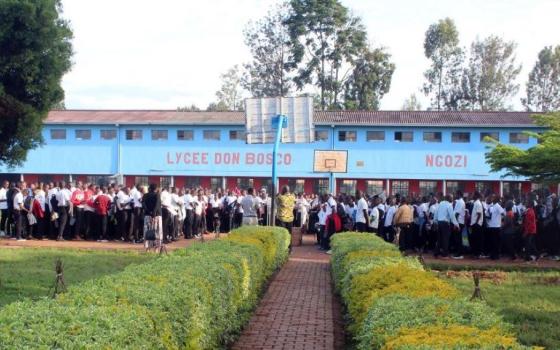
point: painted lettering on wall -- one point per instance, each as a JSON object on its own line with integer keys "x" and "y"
{"x": 446, "y": 161}
{"x": 226, "y": 158}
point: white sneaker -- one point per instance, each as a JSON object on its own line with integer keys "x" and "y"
{"x": 2, "y": 233}
{"x": 21, "y": 239}
{"x": 329, "y": 252}
{"x": 555, "y": 258}
{"x": 458, "y": 257}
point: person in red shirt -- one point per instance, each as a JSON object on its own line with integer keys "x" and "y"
{"x": 530, "y": 232}
{"x": 102, "y": 203}
{"x": 333, "y": 225}
{"x": 89, "y": 210}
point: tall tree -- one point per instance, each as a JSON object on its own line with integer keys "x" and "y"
{"x": 490, "y": 76}
{"x": 230, "y": 94}
{"x": 191, "y": 108}
{"x": 267, "y": 75}
{"x": 540, "y": 163}
{"x": 543, "y": 87}
{"x": 370, "y": 80}
{"x": 324, "y": 40}
{"x": 35, "y": 52}
{"x": 411, "y": 104}
{"x": 443, "y": 78}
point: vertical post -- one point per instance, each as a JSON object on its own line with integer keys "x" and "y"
{"x": 277, "y": 122}
{"x": 502, "y": 189}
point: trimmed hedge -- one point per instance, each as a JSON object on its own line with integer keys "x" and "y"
{"x": 393, "y": 303}
{"x": 196, "y": 298}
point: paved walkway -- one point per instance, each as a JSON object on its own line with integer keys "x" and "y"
{"x": 299, "y": 310}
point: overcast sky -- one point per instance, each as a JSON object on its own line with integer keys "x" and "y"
{"x": 139, "y": 54}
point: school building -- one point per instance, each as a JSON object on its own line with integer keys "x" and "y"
{"x": 407, "y": 152}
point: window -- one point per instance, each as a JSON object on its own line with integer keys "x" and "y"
{"x": 321, "y": 135}
{"x": 537, "y": 187}
{"x": 404, "y": 136}
{"x": 432, "y": 136}
{"x": 348, "y": 187}
{"x": 453, "y": 186}
{"x": 215, "y": 183}
{"x": 43, "y": 178}
{"x": 266, "y": 184}
{"x": 83, "y": 134}
{"x": 58, "y": 134}
{"x": 165, "y": 181}
{"x": 212, "y": 135}
{"x": 192, "y": 182}
{"x": 374, "y": 187}
{"x": 517, "y": 137}
{"x": 483, "y": 187}
{"x": 141, "y": 180}
{"x": 347, "y": 136}
{"x": 185, "y": 135}
{"x": 399, "y": 187}
{"x": 244, "y": 183}
{"x": 133, "y": 134}
{"x": 296, "y": 185}
{"x": 428, "y": 187}
{"x": 321, "y": 186}
{"x": 237, "y": 135}
{"x": 98, "y": 180}
{"x": 108, "y": 134}
{"x": 512, "y": 189}
{"x": 375, "y": 135}
{"x": 159, "y": 135}
{"x": 461, "y": 137}
{"x": 492, "y": 135}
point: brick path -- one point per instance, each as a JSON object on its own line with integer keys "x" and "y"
{"x": 299, "y": 310}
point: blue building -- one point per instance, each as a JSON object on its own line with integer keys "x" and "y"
{"x": 414, "y": 152}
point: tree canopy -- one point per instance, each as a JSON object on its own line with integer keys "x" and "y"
{"x": 543, "y": 86}
{"x": 540, "y": 163}
{"x": 35, "y": 52}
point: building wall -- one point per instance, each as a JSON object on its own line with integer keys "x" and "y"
{"x": 386, "y": 159}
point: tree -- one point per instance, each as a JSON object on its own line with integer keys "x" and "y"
{"x": 324, "y": 42}
{"x": 543, "y": 87}
{"x": 230, "y": 94}
{"x": 35, "y": 52}
{"x": 490, "y": 76}
{"x": 369, "y": 81}
{"x": 217, "y": 107}
{"x": 191, "y": 108}
{"x": 411, "y": 104}
{"x": 443, "y": 78}
{"x": 267, "y": 75}
{"x": 540, "y": 163}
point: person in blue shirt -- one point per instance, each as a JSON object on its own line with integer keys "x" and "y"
{"x": 445, "y": 217}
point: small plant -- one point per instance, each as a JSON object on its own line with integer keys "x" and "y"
{"x": 59, "y": 286}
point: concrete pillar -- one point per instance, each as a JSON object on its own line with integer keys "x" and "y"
{"x": 387, "y": 187}
{"x": 501, "y": 188}
{"x": 444, "y": 188}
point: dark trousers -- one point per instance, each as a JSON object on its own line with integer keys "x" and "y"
{"x": 88, "y": 223}
{"x": 389, "y": 233}
{"x": 122, "y": 221}
{"x": 530, "y": 247}
{"x": 41, "y": 227}
{"x": 18, "y": 220}
{"x": 4, "y": 220}
{"x": 175, "y": 232}
{"x": 196, "y": 224}
{"x": 320, "y": 232}
{"x": 406, "y": 237}
{"x": 79, "y": 223}
{"x": 102, "y": 226}
{"x": 188, "y": 224}
{"x": 494, "y": 242}
{"x": 10, "y": 222}
{"x": 442, "y": 244}
{"x": 62, "y": 221}
{"x": 137, "y": 223}
{"x": 477, "y": 240}
{"x": 457, "y": 240}
{"x": 361, "y": 227}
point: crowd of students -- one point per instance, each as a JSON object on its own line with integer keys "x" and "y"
{"x": 67, "y": 211}
{"x": 449, "y": 226}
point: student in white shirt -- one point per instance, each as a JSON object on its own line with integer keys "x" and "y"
{"x": 19, "y": 212}
{"x": 388, "y": 229}
{"x": 64, "y": 208}
{"x": 4, "y": 208}
{"x": 189, "y": 214}
{"x": 362, "y": 216}
{"x": 495, "y": 213}
{"x": 374, "y": 217}
{"x": 456, "y": 245}
{"x": 477, "y": 220}
{"x": 321, "y": 224}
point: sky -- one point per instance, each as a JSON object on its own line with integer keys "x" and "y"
{"x": 140, "y": 54}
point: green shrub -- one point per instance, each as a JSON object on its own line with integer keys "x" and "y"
{"x": 389, "y": 314}
{"x": 393, "y": 303}
{"x": 196, "y": 298}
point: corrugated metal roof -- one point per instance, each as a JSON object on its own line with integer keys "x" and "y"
{"x": 366, "y": 118}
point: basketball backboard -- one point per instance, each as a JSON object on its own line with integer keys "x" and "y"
{"x": 260, "y": 112}
{"x": 330, "y": 161}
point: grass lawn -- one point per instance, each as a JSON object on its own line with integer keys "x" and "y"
{"x": 30, "y": 272}
{"x": 528, "y": 300}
